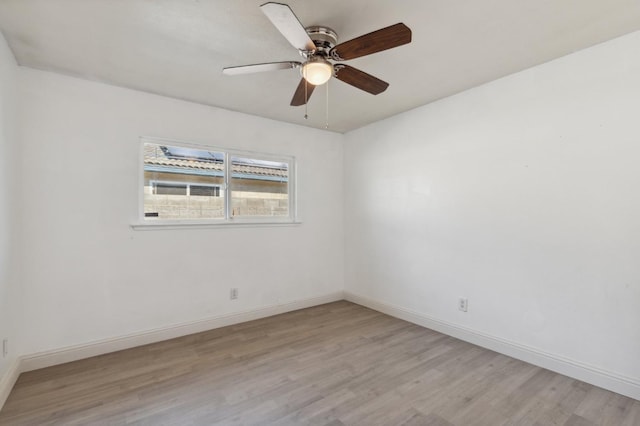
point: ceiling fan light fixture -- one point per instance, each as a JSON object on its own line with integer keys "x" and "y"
{"x": 317, "y": 71}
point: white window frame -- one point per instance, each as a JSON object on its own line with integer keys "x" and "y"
{"x": 143, "y": 223}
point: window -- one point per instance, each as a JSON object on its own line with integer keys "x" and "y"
{"x": 204, "y": 190}
{"x": 197, "y": 184}
{"x": 162, "y": 188}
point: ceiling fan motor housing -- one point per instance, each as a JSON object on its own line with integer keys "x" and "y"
{"x": 323, "y": 37}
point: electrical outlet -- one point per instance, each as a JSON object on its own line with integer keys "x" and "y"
{"x": 5, "y": 347}
{"x": 233, "y": 294}
{"x": 463, "y": 304}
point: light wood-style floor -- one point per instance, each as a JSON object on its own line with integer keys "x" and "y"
{"x": 333, "y": 364}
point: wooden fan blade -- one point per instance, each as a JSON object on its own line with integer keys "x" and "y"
{"x": 360, "y": 79}
{"x": 283, "y": 18}
{"x": 271, "y": 66}
{"x": 377, "y": 41}
{"x": 301, "y": 96}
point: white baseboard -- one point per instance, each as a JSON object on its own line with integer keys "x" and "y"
{"x": 74, "y": 353}
{"x": 8, "y": 380}
{"x": 614, "y": 382}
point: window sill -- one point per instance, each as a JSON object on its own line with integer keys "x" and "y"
{"x": 236, "y": 223}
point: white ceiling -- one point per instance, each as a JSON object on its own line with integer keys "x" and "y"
{"x": 178, "y": 48}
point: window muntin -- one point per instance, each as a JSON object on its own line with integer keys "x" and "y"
{"x": 195, "y": 184}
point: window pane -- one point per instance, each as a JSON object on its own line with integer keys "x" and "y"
{"x": 204, "y": 191}
{"x": 259, "y": 187}
{"x": 182, "y": 183}
{"x": 169, "y": 189}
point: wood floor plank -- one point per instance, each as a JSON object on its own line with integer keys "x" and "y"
{"x": 335, "y": 364}
{"x": 633, "y": 415}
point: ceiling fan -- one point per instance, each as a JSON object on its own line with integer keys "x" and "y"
{"x": 318, "y": 45}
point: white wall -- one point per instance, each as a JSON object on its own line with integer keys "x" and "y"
{"x": 88, "y": 276}
{"x": 522, "y": 195}
{"x": 9, "y": 296}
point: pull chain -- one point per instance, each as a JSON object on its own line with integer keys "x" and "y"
{"x": 326, "y": 122}
{"x": 306, "y": 100}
